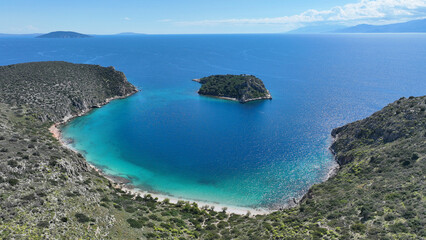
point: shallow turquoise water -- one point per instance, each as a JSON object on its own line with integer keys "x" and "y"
{"x": 169, "y": 140}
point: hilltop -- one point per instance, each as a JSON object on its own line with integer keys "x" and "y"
{"x": 50, "y": 192}
{"x": 242, "y": 88}
{"x": 64, "y": 34}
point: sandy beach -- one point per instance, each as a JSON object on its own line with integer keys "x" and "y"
{"x": 125, "y": 185}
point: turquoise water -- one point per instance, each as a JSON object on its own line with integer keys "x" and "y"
{"x": 166, "y": 139}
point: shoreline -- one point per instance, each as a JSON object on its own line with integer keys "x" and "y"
{"x": 268, "y": 97}
{"x": 126, "y": 186}
{"x": 56, "y": 132}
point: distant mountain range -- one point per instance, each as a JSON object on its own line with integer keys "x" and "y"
{"x": 415, "y": 26}
{"x": 66, "y": 34}
{"x": 63, "y": 34}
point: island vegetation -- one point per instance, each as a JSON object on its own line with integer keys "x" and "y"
{"x": 50, "y": 192}
{"x": 64, "y": 34}
{"x": 242, "y": 88}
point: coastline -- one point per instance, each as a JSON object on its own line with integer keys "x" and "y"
{"x": 125, "y": 185}
{"x": 56, "y": 132}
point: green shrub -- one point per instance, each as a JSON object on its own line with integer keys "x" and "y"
{"x": 82, "y": 218}
{"x": 389, "y": 217}
{"x": 155, "y": 217}
{"x": 358, "y": 227}
{"x": 150, "y": 224}
{"x": 151, "y": 235}
{"x": 43, "y": 224}
{"x": 134, "y": 223}
{"x": 178, "y": 222}
{"x": 130, "y": 209}
{"x": 13, "y": 181}
{"x": 222, "y": 224}
{"x": 12, "y": 163}
{"x": 211, "y": 227}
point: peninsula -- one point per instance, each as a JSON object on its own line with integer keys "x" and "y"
{"x": 242, "y": 88}
{"x": 64, "y": 34}
{"x": 48, "y": 191}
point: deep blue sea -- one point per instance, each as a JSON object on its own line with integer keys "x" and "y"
{"x": 167, "y": 139}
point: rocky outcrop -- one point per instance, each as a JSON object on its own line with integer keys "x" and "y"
{"x": 243, "y": 88}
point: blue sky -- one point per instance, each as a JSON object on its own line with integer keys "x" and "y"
{"x": 198, "y": 16}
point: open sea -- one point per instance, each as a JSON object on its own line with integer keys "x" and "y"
{"x": 167, "y": 139}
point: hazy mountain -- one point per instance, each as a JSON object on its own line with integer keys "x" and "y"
{"x": 406, "y": 27}
{"x": 64, "y": 34}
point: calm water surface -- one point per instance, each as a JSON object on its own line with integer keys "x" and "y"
{"x": 167, "y": 139}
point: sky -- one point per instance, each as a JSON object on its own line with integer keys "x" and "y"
{"x": 198, "y": 16}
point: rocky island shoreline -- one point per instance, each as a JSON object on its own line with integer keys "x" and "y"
{"x": 48, "y": 191}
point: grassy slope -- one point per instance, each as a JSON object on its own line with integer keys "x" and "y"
{"x": 47, "y": 191}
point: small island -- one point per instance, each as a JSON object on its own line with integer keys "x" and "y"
{"x": 64, "y": 34}
{"x": 242, "y": 88}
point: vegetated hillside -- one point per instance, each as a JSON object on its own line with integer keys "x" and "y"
{"x": 379, "y": 191}
{"x": 54, "y": 90}
{"x": 243, "y": 88}
{"x": 50, "y": 192}
{"x": 64, "y": 34}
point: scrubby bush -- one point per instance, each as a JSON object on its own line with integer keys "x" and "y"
{"x": 43, "y": 224}
{"x": 82, "y": 218}
{"x": 13, "y": 181}
{"x": 358, "y": 227}
{"x": 134, "y": 223}
{"x": 12, "y": 163}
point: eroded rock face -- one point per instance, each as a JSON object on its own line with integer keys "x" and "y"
{"x": 242, "y": 88}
